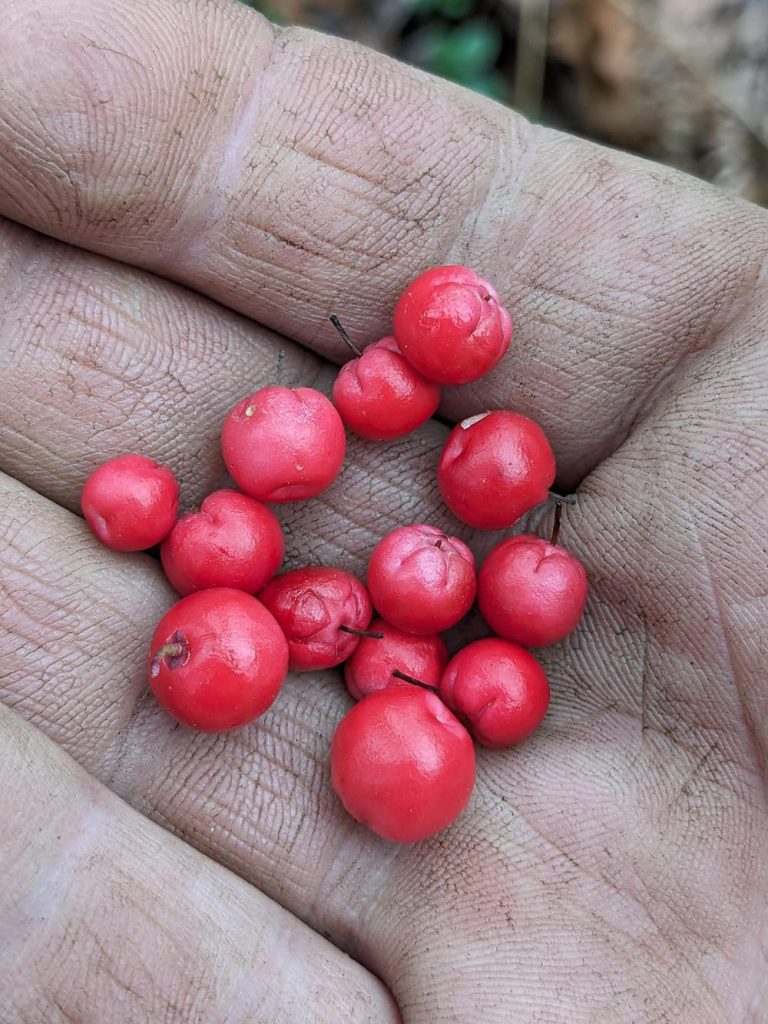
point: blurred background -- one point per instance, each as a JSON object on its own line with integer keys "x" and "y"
{"x": 681, "y": 81}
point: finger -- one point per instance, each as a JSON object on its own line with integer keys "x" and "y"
{"x": 103, "y": 916}
{"x": 525, "y": 867}
{"x": 176, "y": 137}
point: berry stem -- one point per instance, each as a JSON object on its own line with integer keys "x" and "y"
{"x": 361, "y": 632}
{"x": 556, "y": 524}
{"x": 346, "y": 338}
{"x": 411, "y": 679}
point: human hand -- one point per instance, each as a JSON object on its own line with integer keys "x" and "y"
{"x": 613, "y": 868}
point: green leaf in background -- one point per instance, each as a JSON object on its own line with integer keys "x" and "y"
{"x": 468, "y": 51}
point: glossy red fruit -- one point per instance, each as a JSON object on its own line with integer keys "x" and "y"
{"x": 283, "y": 444}
{"x": 421, "y": 580}
{"x": 450, "y": 325}
{"x": 217, "y": 660}
{"x": 131, "y": 502}
{"x": 498, "y": 688}
{"x": 371, "y": 665}
{"x": 402, "y": 764}
{"x": 531, "y": 591}
{"x": 232, "y": 541}
{"x": 494, "y": 468}
{"x": 381, "y": 396}
{"x": 315, "y": 607}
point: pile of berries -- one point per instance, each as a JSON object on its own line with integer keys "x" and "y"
{"x": 402, "y": 759}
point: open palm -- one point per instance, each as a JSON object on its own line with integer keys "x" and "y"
{"x": 615, "y": 866}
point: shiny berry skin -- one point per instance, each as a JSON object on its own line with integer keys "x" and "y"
{"x": 380, "y": 396}
{"x": 498, "y": 688}
{"x": 402, "y": 764}
{"x": 421, "y": 580}
{"x": 131, "y": 502}
{"x": 312, "y": 605}
{"x": 217, "y": 660}
{"x": 233, "y": 541}
{"x": 370, "y": 666}
{"x": 494, "y": 468}
{"x": 283, "y": 444}
{"x": 449, "y": 323}
{"x": 531, "y": 591}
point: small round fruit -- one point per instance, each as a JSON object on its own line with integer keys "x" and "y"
{"x": 372, "y": 664}
{"x": 421, "y": 580}
{"x": 233, "y": 541}
{"x": 402, "y": 764}
{"x": 319, "y": 609}
{"x": 217, "y": 660}
{"x": 381, "y": 396}
{"x": 283, "y": 444}
{"x": 494, "y": 468}
{"x": 531, "y": 591}
{"x": 131, "y": 502}
{"x": 498, "y": 688}
{"x": 449, "y": 323}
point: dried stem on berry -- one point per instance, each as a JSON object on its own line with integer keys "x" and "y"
{"x": 411, "y": 679}
{"x": 361, "y": 632}
{"x": 346, "y": 338}
{"x": 556, "y": 524}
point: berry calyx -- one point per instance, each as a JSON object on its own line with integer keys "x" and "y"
{"x": 494, "y": 468}
{"x": 131, "y": 502}
{"x": 283, "y": 444}
{"x": 397, "y": 658}
{"x": 421, "y": 580}
{"x": 217, "y": 660}
{"x": 322, "y": 611}
{"x": 232, "y": 541}
{"x": 402, "y": 764}
{"x": 380, "y": 395}
{"x": 450, "y": 325}
{"x": 531, "y": 591}
{"x": 498, "y": 688}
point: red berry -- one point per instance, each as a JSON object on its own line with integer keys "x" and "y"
{"x": 283, "y": 444}
{"x": 449, "y": 323}
{"x": 217, "y": 660}
{"x": 381, "y": 396}
{"x": 531, "y": 591}
{"x": 494, "y": 468}
{"x": 131, "y": 502}
{"x": 233, "y": 541}
{"x": 315, "y": 607}
{"x": 371, "y": 665}
{"x": 421, "y": 580}
{"x": 498, "y": 688}
{"x": 402, "y": 764}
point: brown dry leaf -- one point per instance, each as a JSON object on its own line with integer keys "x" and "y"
{"x": 685, "y": 81}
